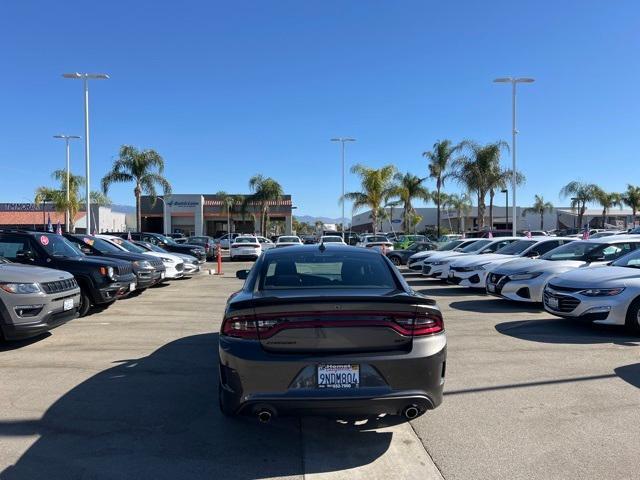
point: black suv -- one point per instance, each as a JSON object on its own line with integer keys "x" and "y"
{"x": 148, "y": 270}
{"x": 101, "y": 280}
{"x": 169, "y": 244}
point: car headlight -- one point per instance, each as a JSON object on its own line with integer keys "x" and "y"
{"x": 524, "y": 275}
{"x": 601, "y": 292}
{"x": 107, "y": 272}
{"x": 166, "y": 260}
{"x": 482, "y": 266}
{"x": 441, "y": 262}
{"x": 142, "y": 264}
{"x": 21, "y": 287}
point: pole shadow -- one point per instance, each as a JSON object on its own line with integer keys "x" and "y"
{"x": 494, "y": 305}
{"x": 157, "y": 417}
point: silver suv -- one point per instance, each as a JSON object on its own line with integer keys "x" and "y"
{"x": 33, "y": 300}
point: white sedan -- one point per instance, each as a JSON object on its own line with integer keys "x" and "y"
{"x": 265, "y": 243}
{"x": 288, "y": 241}
{"x": 415, "y": 261}
{"x": 245, "y": 246}
{"x": 332, "y": 239}
{"x": 523, "y": 279}
{"x": 471, "y": 270}
{"x": 379, "y": 242}
{"x": 174, "y": 265}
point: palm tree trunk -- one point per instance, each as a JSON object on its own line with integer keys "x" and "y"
{"x": 438, "y": 185}
{"x": 541, "y": 220}
{"x": 604, "y": 216}
{"x": 137, "y": 192}
{"x": 491, "y": 195}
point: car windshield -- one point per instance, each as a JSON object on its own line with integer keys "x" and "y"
{"x": 516, "y": 248}
{"x": 449, "y": 245}
{"x": 288, "y": 239}
{"x": 377, "y": 238}
{"x": 631, "y": 260}
{"x": 325, "y": 270}
{"x": 246, "y": 240}
{"x": 100, "y": 245}
{"x": 151, "y": 247}
{"x": 58, "y": 246}
{"x": 475, "y": 246}
{"x": 168, "y": 240}
{"x": 574, "y": 251}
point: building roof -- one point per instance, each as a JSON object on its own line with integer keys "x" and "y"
{"x": 596, "y": 212}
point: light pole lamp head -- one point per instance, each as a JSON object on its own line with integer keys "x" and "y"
{"x": 84, "y": 76}
{"x": 67, "y": 137}
{"x": 504, "y": 191}
{"x": 343, "y": 139}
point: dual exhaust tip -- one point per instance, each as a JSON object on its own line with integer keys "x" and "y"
{"x": 265, "y": 415}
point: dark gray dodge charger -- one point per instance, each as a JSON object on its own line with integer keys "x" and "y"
{"x": 329, "y": 330}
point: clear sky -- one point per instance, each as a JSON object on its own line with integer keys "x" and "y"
{"x": 225, "y": 90}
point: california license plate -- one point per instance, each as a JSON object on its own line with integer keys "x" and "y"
{"x": 491, "y": 287}
{"x": 338, "y": 376}
{"x": 132, "y": 286}
{"x": 67, "y": 304}
{"x": 553, "y": 302}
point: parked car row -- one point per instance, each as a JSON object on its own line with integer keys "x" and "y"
{"x": 594, "y": 280}
{"x": 48, "y": 279}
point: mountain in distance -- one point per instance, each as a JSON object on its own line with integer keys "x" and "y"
{"x": 312, "y": 220}
{"x": 122, "y": 208}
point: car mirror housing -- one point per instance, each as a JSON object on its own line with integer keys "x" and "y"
{"x": 242, "y": 274}
{"x": 24, "y": 254}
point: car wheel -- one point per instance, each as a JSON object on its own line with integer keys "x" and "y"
{"x": 395, "y": 260}
{"x": 223, "y": 404}
{"x": 85, "y": 303}
{"x": 633, "y": 317}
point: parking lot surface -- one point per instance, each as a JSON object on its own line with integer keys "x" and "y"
{"x": 131, "y": 392}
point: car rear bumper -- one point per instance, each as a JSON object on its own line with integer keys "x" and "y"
{"x": 253, "y": 379}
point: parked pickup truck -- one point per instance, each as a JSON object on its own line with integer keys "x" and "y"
{"x": 101, "y": 280}
{"x": 33, "y": 300}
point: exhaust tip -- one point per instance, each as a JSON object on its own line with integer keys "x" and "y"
{"x": 411, "y": 412}
{"x": 264, "y": 416}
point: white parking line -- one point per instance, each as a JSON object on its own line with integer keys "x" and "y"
{"x": 333, "y": 451}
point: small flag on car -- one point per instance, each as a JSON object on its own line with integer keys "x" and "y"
{"x": 49, "y": 226}
{"x": 129, "y": 236}
{"x": 464, "y": 235}
{"x": 490, "y": 235}
{"x": 58, "y": 229}
{"x": 529, "y": 234}
{"x": 585, "y": 233}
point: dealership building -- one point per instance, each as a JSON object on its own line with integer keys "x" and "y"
{"x": 205, "y": 214}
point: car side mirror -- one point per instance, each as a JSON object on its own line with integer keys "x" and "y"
{"x": 598, "y": 258}
{"x": 24, "y": 255}
{"x": 242, "y": 274}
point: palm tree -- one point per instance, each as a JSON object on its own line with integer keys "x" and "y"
{"x": 580, "y": 194}
{"x": 606, "y": 201}
{"x": 440, "y": 163}
{"x": 499, "y": 179}
{"x": 229, "y": 201}
{"x": 376, "y": 186}
{"x": 539, "y": 207}
{"x": 479, "y": 169}
{"x": 631, "y": 198}
{"x": 265, "y": 190}
{"x": 462, "y": 205}
{"x": 408, "y": 187}
{"x": 100, "y": 199}
{"x": 59, "y": 196}
{"x": 142, "y": 167}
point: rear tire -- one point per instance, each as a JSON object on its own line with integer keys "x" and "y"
{"x": 85, "y": 303}
{"x": 632, "y": 322}
{"x": 396, "y": 261}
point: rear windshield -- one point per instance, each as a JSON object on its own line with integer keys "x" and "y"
{"x": 377, "y": 238}
{"x": 516, "y": 248}
{"x": 326, "y": 270}
{"x": 332, "y": 239}
{"x": 288, "y": 239}
{"x": 450, "y": 245}
{"x": 246, "y": 240}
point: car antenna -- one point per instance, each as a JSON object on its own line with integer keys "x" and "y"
{"x": 322, "y": 248}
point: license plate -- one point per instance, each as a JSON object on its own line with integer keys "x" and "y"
{"x": 67, "y": 304}
{"x": 553, "y": 302}
{"x": 132, "y": 287}
{"x": 491, "y": 287}
{"x": 338, "y": 376}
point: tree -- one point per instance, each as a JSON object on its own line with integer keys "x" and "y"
{"x": 580, "y": 194}
{"x": 539, "y": 207}
{"x": 59, "y": 196}
{"x": 408, "y": 187}
{"x": 228, "y": 202}
{"x": 499, "y": 179}
{"x": 100, "y": 199}
{"x": 478, "y": 170}
{"x": 376, "y": 184}
{"x": 265, "y": 190}
{"x": 145, "y": 168}
{"x": 440, "y": 163}
{"x": 462, "y": 205}
{"x": 631, "y": 198}
{"x": 606, "y": 201}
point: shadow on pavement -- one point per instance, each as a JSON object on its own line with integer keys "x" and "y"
{"x": 6, "y": 346}
{"x": 446, "y": 292}
{"x": 630, "y": 374}
{"x": 494, "y": 305}
{"x": 157, "y": 417}
{"x": 566, "y": 331}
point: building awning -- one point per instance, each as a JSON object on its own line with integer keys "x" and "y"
{"x": 270, "y": 203}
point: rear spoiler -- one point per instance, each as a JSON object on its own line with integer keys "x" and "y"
{"x": 269, "y": 301}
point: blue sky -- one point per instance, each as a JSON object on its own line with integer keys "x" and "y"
{"x": 224, "y": 90}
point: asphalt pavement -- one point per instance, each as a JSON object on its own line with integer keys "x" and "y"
{"x": 130, "y": 392}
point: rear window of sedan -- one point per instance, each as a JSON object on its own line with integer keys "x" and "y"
{"x": 327, "y": 270}
{"x": 378, "y": 238}
{"x": 246, "y": 240}
{"x": 288, "y": 239}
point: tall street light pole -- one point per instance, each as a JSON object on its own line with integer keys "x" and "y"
{"x": 85, "y": 77}
{"x": 343, "y": 140}
{"x": 514, "y": 82}
{"x": 66, "y": 138}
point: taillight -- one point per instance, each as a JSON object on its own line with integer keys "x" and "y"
{"x": 246, "y": 326}
{"x": 424, "y": 324}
